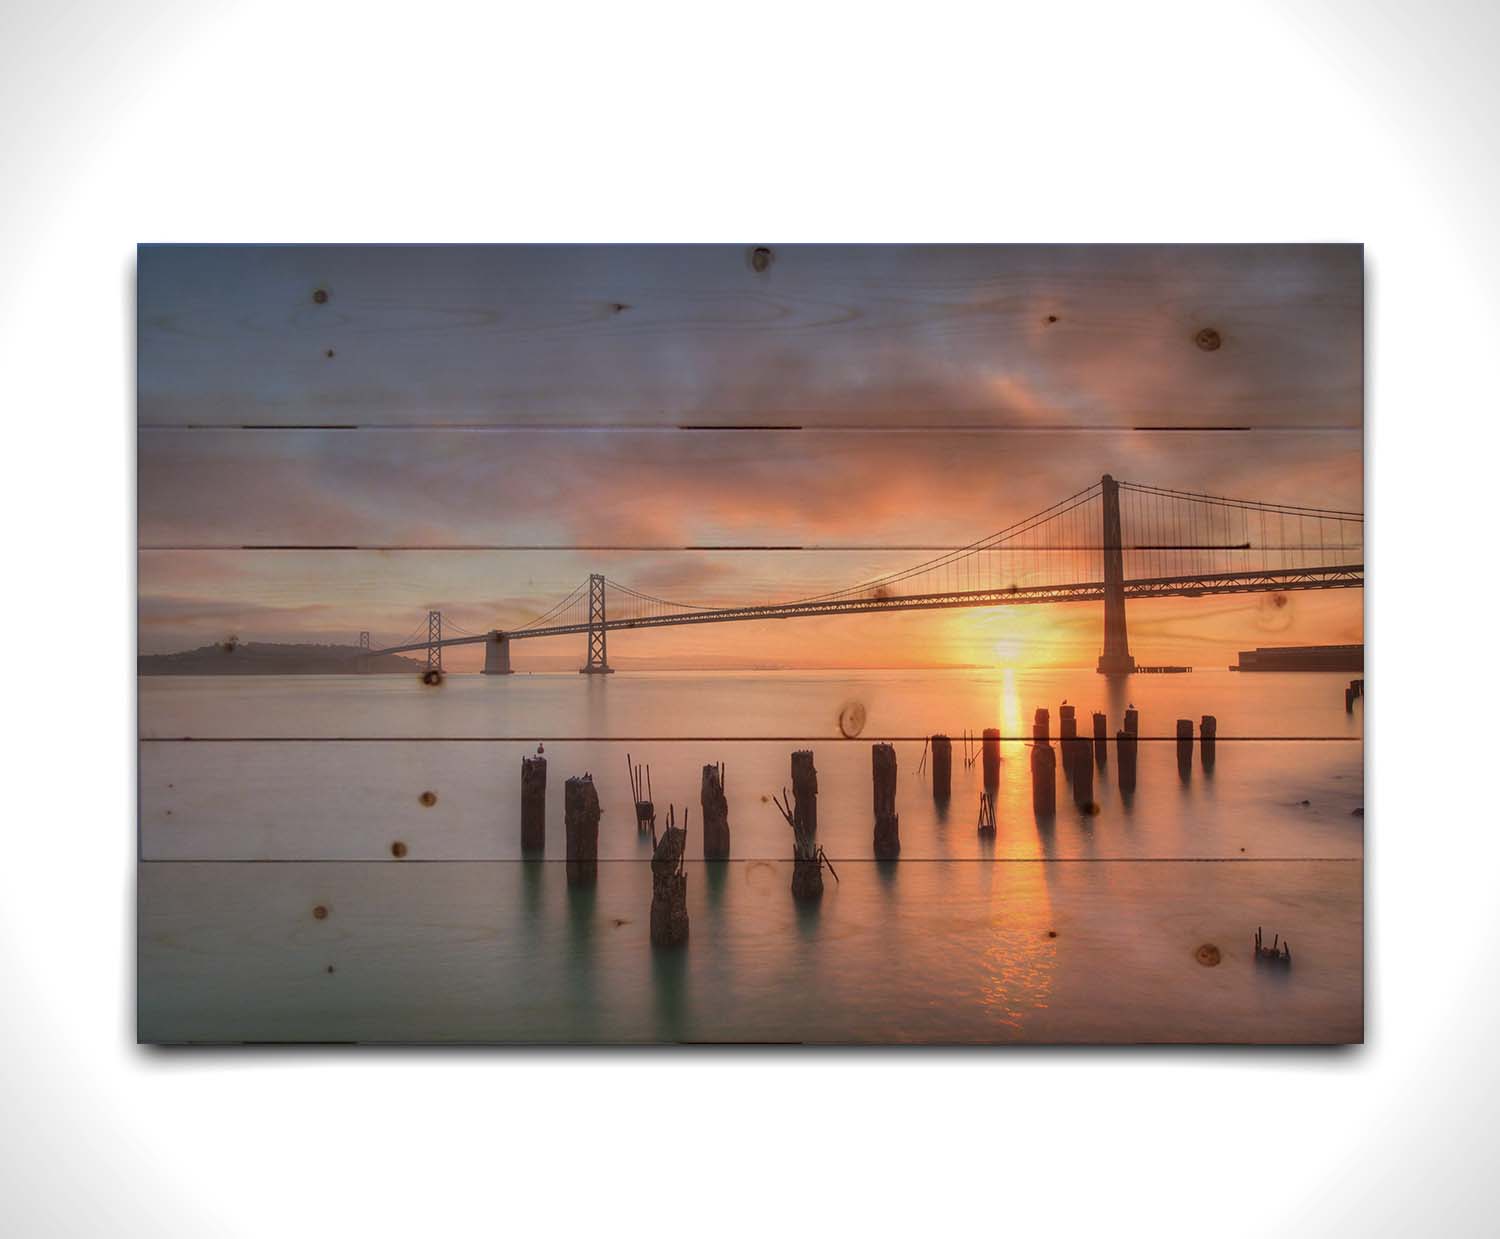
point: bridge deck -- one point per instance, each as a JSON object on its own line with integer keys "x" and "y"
{"x": 1345, "y": 576}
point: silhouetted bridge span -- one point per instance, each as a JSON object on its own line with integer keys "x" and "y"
{"x": 1108, "y": 543}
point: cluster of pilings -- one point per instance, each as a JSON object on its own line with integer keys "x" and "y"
{"x": 1208, "y": 744}
{"x": 1080, "y": 755}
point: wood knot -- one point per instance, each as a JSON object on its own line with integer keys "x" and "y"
{"x": 761, "y": 259}
{"x": 428, "y": 799}
{"x": 1207, "y": 955}
{"x": 320, "y": 913}
{"x": 398, "y": 849}
{"x": 1052, "y": 318}
{"x": 852, "y": 717}
{"x": 328, "y": 352}
{"x": 432, "y": 677}
{"x": 1207, "y": 339}
{"x": 320, "y": 295}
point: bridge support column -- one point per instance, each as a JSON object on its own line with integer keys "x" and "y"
{"x": 597, "y": 663}
{"x": 1116, "y": 659}
{"x": 497, "y": 654}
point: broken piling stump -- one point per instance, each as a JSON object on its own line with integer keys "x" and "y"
{"x": 669, "y": 916}
{"x": 800, "y": 809}
{"x": 715, "y": 813}
{"x": 1278, "y": 952}
{"x": 1208, "y": 735}
{"x": 1133, "y": 721}
{"x": 942, "y": 767}
{"x": 992, "y": 757}
{"x": 986, "y": 814}
{"x": 1101, "y": 739}
{"x": 533, "y": 804}
{"x": 581, "y": 826}
{"x": 1349, "y": 701}
{"x": 640, "y": 784}
{"x": 1039, "y": 732}
{"x": 1125, "y": 742}
{"x": 1185, "y": 747}
{"x": 887, "y": 823}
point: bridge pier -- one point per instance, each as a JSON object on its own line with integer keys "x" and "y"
{"x": 497, "y": 654}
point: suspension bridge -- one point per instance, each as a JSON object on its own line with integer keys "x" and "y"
{"x": 1110, "y": 542}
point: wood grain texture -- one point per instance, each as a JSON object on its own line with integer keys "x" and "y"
{"x": 505, "y": 953}
{"x": 508, "y": 488}
{"x": 301, "y": 801}
{"x": 825, "y": 335}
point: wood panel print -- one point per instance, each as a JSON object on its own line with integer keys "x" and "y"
{"x": 813, "y": 644}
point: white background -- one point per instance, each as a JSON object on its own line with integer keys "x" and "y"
{"x": 777, "y": 122}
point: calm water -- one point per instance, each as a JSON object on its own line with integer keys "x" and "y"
{"x": 1081, "y": 929}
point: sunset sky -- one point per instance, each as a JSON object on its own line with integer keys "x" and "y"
{"x": 1026, "y": 375}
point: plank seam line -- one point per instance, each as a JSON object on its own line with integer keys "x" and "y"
{"x": 619, "y": 739}
{"x": 767, "y": 860}
{"x": 865, "y": 428}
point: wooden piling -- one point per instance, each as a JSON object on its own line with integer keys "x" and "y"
{"x": 805, "y": 790}
{"x": 1067, "y": 739}
{"x": 1133, "y": 721}
{"x": 1184, "y": 747}
{"x": 1082, "y": 776}
{"x": 887, "y": 822}
{"x": 1039, "y": 728}
{"x": 1101, "y": 738}
{"x": 1043, "y": 780}
{"x": 533, "y": 804}
{"x": 1208, "y": 735}
{"x": 1349, "y": 700}
{"x": 1067, "y": 720}
{"x": 581, "y": 825}
{"x": 669, "y": 917}
{"x": 992, "y": 757}
{"x": 1125, "y": 742}
{"x": 942, "y": 767}
{"x": 715, "y": 813}
{"x": 807, "y": 864}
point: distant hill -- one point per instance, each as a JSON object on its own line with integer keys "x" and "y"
{"x": 270, "y": 658}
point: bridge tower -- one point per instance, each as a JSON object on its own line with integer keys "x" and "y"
{"x": 597, "y": 663}
{"x": 434, "y": 639}
{"x": 1116, "y": 659}
{"x": 364, "y": 651}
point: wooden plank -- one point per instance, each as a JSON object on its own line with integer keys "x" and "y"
{"x": 495, "y": 488}
{"x": 794, "y": 705}
{"x": 1152, "y": 335}
{"x": 454, "y": 801}
{"x": 946, "y": 952}
{"x": 190, "y": 599}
